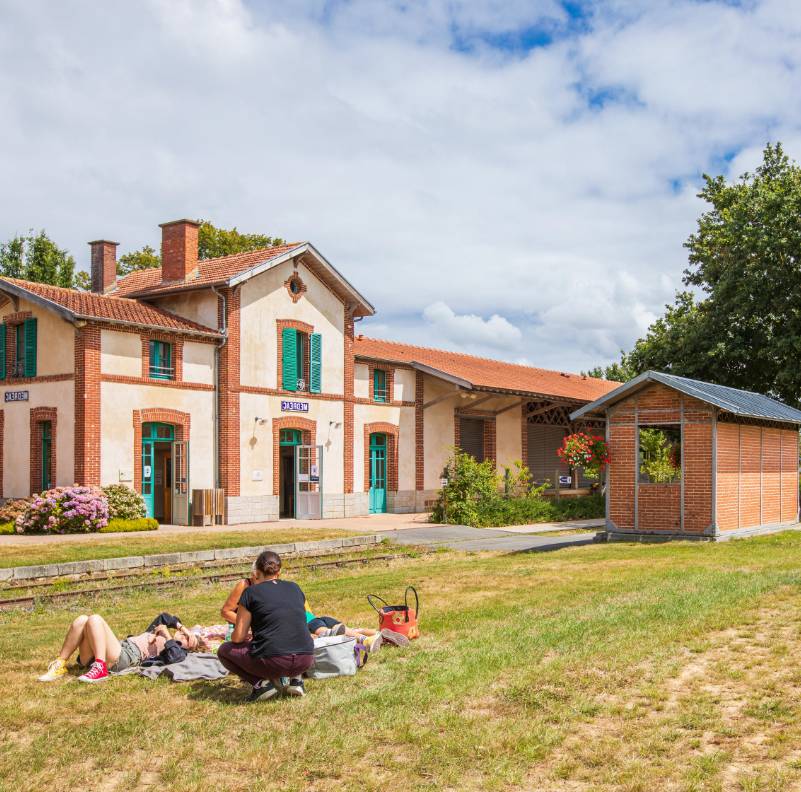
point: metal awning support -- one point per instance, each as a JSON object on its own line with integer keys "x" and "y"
{"x": 508, "y": 407}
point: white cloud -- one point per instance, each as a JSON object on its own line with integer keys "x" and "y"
{"x": 469, "y": 330}
{"x": 553, "y": 188}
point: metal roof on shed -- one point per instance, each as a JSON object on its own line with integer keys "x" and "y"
{"x": 745, "y": 404}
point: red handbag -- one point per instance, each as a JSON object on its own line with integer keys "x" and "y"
{"x": 398, "y": 618}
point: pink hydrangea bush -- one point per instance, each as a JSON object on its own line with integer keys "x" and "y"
{"x": 65, "y": 510}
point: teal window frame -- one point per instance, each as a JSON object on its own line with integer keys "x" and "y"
{"x": 46, "y": 440}
{"x": 380, "y": 386}
{"x": 161, "y": 360}
{"x": 290, "y": 437}
{"x": 301, "y": 361}
{"x": 19, "y": 351}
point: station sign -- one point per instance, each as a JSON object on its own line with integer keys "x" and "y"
{"x": 12, "y": 396}
{"x": 292, "y": 406}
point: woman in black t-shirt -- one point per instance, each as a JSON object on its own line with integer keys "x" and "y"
{"x": 274, "y": 611}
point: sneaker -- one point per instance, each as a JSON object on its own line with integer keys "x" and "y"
{"x": 56, "y": 669}
{"x": 295, "y": 687}
{"x": 96, "y": 673}
{"x": 263, "y": 690}
{"x": 373, "y": 643}
{"x": 395, "y": 638}
{"x": 337, "y": 629}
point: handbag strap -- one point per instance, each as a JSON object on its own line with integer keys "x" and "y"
{"x": 416, "y": 599}
{"x": 371, "y": 597}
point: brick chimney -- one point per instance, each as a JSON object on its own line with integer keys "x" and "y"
{"x": 103, "y": 265}
{"x": 178, "y": 249}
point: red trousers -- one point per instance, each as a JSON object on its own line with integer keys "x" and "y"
{"x": 236, "y": 657}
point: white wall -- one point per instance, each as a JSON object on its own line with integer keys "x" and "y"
{"x": 120, "y": 353}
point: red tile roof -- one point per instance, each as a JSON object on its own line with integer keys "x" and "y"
{"x": 488, "y": 374}
{"x": 88, "y": 305}
{"x": 210, "y": 272}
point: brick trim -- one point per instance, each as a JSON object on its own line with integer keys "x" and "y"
{"x": 337, "y": 397}
{"x": 177, "y": 351}
{"x": 295, "y": 278}
{"x": 303, "y": 327}
{"x": 524, "y": 433}
{"x": 229, "y": 444}
{"x": 390, "y": 372}
{"x": 419, "y": 433}
{"x": 347, "y": 408}
{"x": 39, "y": 415}
{"x": 391, "y": 431}
{"x": 87, "y": 405}
{"x": 180, "y": 420}
{"x": 126, "y": 380}
{"x": 18, "y": 317}
{"x": 307, "y": 426}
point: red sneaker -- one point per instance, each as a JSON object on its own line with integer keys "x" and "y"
{"x": 97, "y": 673}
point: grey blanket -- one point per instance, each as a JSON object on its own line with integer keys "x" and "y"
{"x": 196, "y": 665}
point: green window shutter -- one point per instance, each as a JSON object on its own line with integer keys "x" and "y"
{"x": 3, "y": 335}
{"x": 289, "y": 345}
{"x": 315, "y": 362}
{"x": 30, "y": 347}
{"x": 379, "y": 385}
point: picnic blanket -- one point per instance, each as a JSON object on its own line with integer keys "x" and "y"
{"x": 196, "y": 665}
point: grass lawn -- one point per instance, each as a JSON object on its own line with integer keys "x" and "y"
{"x": 616, "y": 667}
{"x": 150, "y": 542}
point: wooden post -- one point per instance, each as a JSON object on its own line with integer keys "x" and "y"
{"x": 556, "y": 483}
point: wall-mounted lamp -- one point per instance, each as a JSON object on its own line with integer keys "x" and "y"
{"x": 260, "y": 421}
{"x": 335, "y": 424}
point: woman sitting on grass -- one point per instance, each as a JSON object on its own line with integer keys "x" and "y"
{"x": 282, "y": 646}
{"x": 103, "y": 652}
{"x": 228, "y": 610}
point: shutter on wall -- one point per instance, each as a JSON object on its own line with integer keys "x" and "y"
{"x": 30, "y": 347}
{"x": 315, "y": 362}
{"x": 289, "y": 351}
{"x": 543, "y": 441}
{"x": 471, "y": 437}
{"x": 3, "y": 334}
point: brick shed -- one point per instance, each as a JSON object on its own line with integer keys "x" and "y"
{"x": 691, "y": 459}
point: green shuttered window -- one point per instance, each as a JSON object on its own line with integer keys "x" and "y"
{"x": 30, "y": 348}
{"x": 297, "y": 349}
{"x": 289, "y": 344}
{"x": 3, "y": 335}
{"x": 161, "y": 366}
{"x": 379, "y": 385}
{"x": 315, "y": 362}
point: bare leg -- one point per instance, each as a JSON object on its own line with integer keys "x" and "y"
{"x": 74, "y": 638}
{"x": 102, "y": 641}
{"x": 357, "y": 632}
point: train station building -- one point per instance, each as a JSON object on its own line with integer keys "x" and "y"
{"x": 244, "y": 376}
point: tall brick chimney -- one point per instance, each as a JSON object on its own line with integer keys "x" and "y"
{"x": 103, "y": 264}
{"x": 178, "y": 249}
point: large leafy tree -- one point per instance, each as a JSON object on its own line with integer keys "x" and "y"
{"x": 741, "y": 326}
{"x": 35, "y": 257}
{"x": 213, "y": 242}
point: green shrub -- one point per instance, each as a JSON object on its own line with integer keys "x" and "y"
{"x": 469, "y": 483}
{"x": 127, "y": 526}
{"x": 6, "y": 528}
{"x": 124, "y": 503}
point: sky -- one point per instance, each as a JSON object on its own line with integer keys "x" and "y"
{"x": 507, "y": 178}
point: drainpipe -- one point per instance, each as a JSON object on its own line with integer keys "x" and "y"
{"x": 220, "y": 345}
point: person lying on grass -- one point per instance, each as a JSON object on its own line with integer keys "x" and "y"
{"x": 323, "y": 626}
{"x": 103, "y": 652}
{"x": 282, "y": 646}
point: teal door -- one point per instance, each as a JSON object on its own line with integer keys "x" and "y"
{"x": 378, "y": 473}
{"x": 153, "y": 434}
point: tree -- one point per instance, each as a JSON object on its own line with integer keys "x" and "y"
{"x": 616, "y": 372}
{"x": 743, "y": 326}
{"x": 36, "y": 257}
{"x": 146, "y": 258}
{"x": 213, "y": 242}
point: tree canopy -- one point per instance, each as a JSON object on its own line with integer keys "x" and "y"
{"x": 213, "y": 242}
{"x": 35, "y": 257}
{"x": 741, "y": 326}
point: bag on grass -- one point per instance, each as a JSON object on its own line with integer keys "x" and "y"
{"x": 334, "y": 656}
{"x": 398, "y": 618}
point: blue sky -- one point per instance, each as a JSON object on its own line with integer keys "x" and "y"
{"x": 504, "y": 177}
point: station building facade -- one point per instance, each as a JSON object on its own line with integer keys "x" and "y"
{"x": 246, "y": 374}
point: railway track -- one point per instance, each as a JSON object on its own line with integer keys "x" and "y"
{"x": 220, "y": 576}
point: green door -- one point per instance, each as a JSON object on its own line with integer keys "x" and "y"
{"x": 152, "y": 433}
{"x": 378, "y": 473}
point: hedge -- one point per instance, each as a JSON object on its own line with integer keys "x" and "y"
{"x": 6, "y": 528}
{"x": 126, "y": 526}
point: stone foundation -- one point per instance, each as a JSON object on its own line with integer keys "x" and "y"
{"x": 251, "y": 508}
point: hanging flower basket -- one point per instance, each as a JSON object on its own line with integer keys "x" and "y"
{"x": 588, "y": 452}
